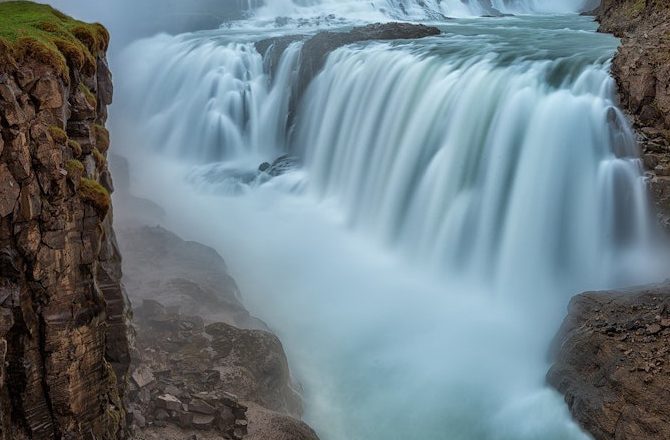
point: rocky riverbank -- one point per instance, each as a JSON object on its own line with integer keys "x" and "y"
{"x": 202, "y": 366}
{"x": 613, "y": 363}
{"x": 641, "y": 68}
{"x": 612, "y": 353}
{"x": 64, "y": 344}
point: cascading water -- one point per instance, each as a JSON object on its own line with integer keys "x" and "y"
{"x": 416, "y": 9}
{"x": 455, "y": 192}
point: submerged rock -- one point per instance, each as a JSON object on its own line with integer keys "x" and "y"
{"x": 612, "y": 363}
{"x": 316, "y": 49}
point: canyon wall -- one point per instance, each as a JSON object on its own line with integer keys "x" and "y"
{"x": 641, "y": 68}
{"x": 613, "y": 350}
{"x": 64, "y": 339}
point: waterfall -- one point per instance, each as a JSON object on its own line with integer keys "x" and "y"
{"x": 540, "y": 176}
{"x": 225, "y": 107}
{"x": 452, "y": 194}
{"x": 417, "y": 9}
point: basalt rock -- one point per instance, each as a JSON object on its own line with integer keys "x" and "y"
{"x": 64, "y": 349}
{"x": 316, "y": 49}
{"x": 641, "y": 68}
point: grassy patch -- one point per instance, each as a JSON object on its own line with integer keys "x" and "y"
{"x": 58, "y": 135}
{"x": 90, "y": 97}
{"x": 35, "y": 31}
{"x": 75, "y": 147}
{"x": 75, "y": 170}
{"x": 101, "y": 137}
{"x": 100, "y": 160}
{"x": 94, "y": 194}
{"x": 636, "y": 8}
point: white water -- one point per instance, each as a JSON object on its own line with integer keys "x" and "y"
{"x": 456, "y": 191}
{"x": 412, "y": 9}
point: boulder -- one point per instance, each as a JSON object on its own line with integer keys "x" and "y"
{"x": 611, "y": 359}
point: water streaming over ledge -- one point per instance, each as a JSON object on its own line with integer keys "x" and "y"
{"x": 454, "y": 193}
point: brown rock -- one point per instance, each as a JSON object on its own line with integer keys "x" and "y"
{"x": 47, "y": 92}
{"x": 9, "y": 191}
{"x": 615, "y": 387}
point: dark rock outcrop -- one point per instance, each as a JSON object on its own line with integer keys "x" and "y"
{"x": 612, "y": 363}
{"x": 195, "y": 371}
{"x": 641, "y": 68}
{"x": 64, "y": 348}
{"x": 316, "y": 49}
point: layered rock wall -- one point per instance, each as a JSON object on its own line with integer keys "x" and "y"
{"x": 641, "y": 68}
{"x": 64, "y": 348}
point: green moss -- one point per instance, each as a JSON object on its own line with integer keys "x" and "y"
{"x": 74, "y": 165}
{"x": 636, "y": 8}
{"x": 101, "y": 137}
{"x": 75, "y": 170}
{"x": 35, "y": 31}
{"x": 94, "y": 194}
{"x": 58, "y": 135}
{"x": 75, "y": 147}
{"x": 90, "y": 97}
{"x": 100, "y": 160}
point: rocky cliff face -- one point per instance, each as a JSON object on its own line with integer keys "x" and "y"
{"x": 641, "y": 68}
{"x": 64, "y": 350}
{"x": 612, "y": 359}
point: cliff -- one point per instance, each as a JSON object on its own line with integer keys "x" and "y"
{"x": 64, "y": 349}
{"x": 641, "y": 68}
{"x": 202, "y": 365}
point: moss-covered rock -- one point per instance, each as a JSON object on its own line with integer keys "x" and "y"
{"x": 35, "y": 31}
{"x": 58, "y": 135}
{"x": 94, "y": 194}
{"x": 101, "y": 137}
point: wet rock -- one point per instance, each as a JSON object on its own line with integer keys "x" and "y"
{"x": 316, "y": 49}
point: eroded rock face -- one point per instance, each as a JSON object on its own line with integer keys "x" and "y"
{"x": 64, "y": 351}
{"x": 612, "y": 363}
{"x": 641, "y": 68}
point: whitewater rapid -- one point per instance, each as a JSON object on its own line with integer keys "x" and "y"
{"x": 454, "y": 192}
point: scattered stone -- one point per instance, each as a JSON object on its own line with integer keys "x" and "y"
{"x": 654, "y": 328}
{"x": 201, "y": 407}
{"x": 169, "y": 402}
{"x": 143, "y": 376}
{"x": 203, "y": 422}
{"x": 161, "y": 415}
